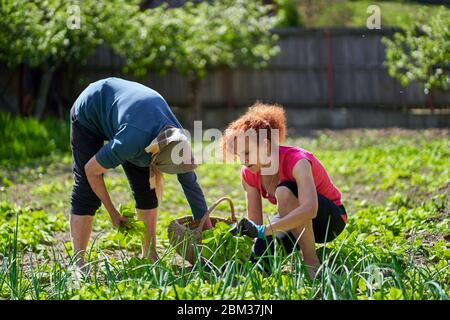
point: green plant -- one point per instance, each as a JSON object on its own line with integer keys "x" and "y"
{"x": 194, "y": 39}
{"x": 132, "y": 227}
{"x": 219, "y": 246}
{"x": 395, "y": 246}
{"x": 288, "y": 14}
{"x": 26, "y": 139}
{"x": 422, "y": 53}
{"x": 40, "y": 34}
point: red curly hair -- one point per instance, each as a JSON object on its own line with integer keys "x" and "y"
{"x": 259, "y": 116}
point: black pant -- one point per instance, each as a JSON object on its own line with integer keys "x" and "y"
{"x": 85, "y": 144}
{"x": 327, "y": 225}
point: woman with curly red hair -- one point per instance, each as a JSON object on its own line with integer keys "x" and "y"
{"x": 309, "y": 207}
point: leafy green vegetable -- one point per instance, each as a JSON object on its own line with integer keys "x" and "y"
{"x": 396, "y": 244}
{"x": 220, "y": 246}
{"x": 133, "y": 226}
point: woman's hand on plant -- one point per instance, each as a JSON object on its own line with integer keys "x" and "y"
{"x": 249, "y": 228}
{"x": 118, "y": 220}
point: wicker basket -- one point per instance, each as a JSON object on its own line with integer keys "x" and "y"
{"x": 185, "y": 233}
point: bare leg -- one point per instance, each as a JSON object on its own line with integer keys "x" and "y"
{"x": 304, "y": 234}
{"x": 307, "y": 244}
{"x": 149, "y": 217}
{"x": 208, "y": 224}
{"x": 80, "y": 232}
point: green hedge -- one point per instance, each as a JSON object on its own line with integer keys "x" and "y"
{"x": 25, "y": 139}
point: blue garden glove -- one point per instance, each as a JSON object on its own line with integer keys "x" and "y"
{"x": 249, "y": 228}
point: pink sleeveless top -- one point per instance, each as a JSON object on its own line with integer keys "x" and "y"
{"x": 289, "y": 156}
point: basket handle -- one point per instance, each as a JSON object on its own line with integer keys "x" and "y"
{"x": 213, "y": 207}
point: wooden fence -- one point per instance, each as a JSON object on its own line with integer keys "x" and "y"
{"x": 316, "y": 68}
{"x": 319, "y": 67}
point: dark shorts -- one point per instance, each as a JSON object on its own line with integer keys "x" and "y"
{"x": 85, "y": 144}
{"x": 327, "y": 225}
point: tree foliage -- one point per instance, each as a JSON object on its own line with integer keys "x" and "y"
{"x": 191, "y": 39}
{"x": 288, "y": 14}
{"x": 38, "y": 32}
{"x": 43, "y": 34}
{"x": 196, "y": 38}
{"x": 422, "y": 53}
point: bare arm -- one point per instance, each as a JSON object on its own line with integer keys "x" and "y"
{"x": 94, "y": 172}
{"x": 307, "y": 198}
{"x": 254, "y": 204}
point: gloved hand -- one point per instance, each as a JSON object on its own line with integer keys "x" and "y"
{"x": 248, "y": 228}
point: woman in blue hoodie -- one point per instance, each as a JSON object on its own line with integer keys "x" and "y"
{"x": 141, "y": 131}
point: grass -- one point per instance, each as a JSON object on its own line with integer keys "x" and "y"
{"x": 344, "y": 13}
{"x": 25, "y": 139}
{"x": 395, "y": 186}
